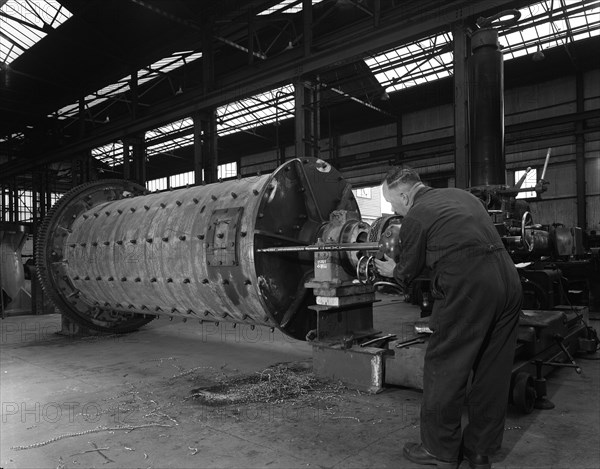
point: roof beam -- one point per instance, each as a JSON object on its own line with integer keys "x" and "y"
{"x": 345, "y": 45}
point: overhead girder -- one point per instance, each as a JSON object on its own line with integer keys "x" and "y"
{"x": 343, "y": 45}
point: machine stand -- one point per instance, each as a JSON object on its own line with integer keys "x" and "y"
{"x": 541, "y": 401}
{"x": 361, "y": 368}
{"x": 345, "y": 316}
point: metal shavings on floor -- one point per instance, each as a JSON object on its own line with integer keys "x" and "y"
{"x": 274, "y": 385}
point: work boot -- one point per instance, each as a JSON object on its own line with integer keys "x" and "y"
{"x": 476, "y": 461}
{"x": 418, "y": 454}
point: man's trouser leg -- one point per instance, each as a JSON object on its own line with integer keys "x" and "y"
{"x": 488, "y": 397}
{"x": 473, "y": 290}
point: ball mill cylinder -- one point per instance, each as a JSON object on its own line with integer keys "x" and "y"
{"x": 113, "y": 257}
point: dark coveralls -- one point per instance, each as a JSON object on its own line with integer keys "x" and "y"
{"x": 477, "y": 295}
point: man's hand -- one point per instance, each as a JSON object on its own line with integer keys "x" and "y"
{"x": 386, "y": 267}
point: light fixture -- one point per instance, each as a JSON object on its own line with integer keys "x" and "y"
{"x": 384, "y": 96}
{"x": 179, "y": 91}
{"x": 538, "y": 55}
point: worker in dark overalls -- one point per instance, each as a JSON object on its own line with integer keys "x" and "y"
{"x": 477, "y": 295}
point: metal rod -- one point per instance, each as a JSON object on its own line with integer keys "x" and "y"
{"x": 377, "y": 339}
{"x": 546, "y": 163}
{"x": 268, "y": 234}
{"x": 324, "y": 247}
{"x": 522, "y": 180}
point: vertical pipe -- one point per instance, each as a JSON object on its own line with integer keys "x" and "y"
{"x": 315, "y": 116}
{"x": 486, "y": 106}
{"x": 299, "y": 122}
{"x": 461, "y": 117}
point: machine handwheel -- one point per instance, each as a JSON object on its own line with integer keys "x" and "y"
{"x": 523, "y": 392}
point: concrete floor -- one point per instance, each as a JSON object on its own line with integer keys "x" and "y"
{"x": 129, "y": 397}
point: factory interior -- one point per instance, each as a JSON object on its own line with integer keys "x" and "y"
{"x": 255, "y": 330}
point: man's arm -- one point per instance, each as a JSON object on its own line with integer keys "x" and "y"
{"x": 413, "y": 245}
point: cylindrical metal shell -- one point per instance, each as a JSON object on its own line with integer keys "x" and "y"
{"x": 192, "y": 252}
{"x": 186, "y": 250}
{"x": 486, "y": 103}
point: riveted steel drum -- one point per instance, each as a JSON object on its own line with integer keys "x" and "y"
{"x": 112, "y": 256}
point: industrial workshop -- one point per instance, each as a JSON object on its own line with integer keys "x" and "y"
{"x": 300, "y": 234}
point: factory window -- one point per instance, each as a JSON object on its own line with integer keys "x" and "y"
{"x": 183, "y": 179}
{"x": 54, "y": 197}
{"x": 363, "y": 193}
{"x": 159, "y": 184}
{"x": 227, "y": 170}
{"x": 25, "y": 208}
{"x": 5, "y": 205}
{"x": 530, "y": 181}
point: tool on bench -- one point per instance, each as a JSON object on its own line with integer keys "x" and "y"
{"x": 378, "y": 339}
{"x": 414, "y": 341}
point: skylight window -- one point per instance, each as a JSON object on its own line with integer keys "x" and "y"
{"x": 264, "y": 108}
{"x": 548, "y": 24}
{"x": 182, "y": 128}
{"x": 19, "y": 136}
{"x": 415, "y": 63}
{"x": 272, "y": 106}
{"x": 155, "y": 70}
{"x": 111, "y": 154}
{"x": 22, "y": 24}
{"x": 542, "y": 25}
{"x": 286, "y": 6}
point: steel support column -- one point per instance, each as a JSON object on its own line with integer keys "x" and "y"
{"x": 198, "y": 153}
{"x": 580, "y": 154}
{"x": 208, "y": 68}
{"x": 399, "y": 138}
{"x": 126, "y": 159}
{"x": 307, "y": 26}
{"x": 133, "y": 87}
{"x": 307, "y": 119}
{"x": 139, "y": 160}
{"x": 461, "y": 94}
{"x": 205, "y": 148}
